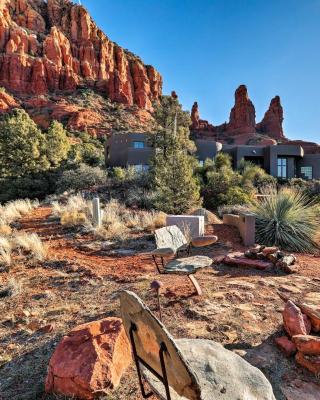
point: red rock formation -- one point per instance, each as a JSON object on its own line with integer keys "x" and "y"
{"x": 7, "y": 102}
{"x": 195, "y": 116}
{"x": 90, "y": 360}
{"x": 64, "y": 49}
{"x": 271, "y": 123}
{"x": 243, "y": 114}
{"x": 242, "y": 127}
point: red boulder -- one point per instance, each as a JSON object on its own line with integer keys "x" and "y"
{"x": 307, "y": 344}
{"x": 295, "y": 323}
{"x": 89, "y": 360}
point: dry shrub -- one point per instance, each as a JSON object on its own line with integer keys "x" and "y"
{"x": 5, "y": 253}
{"x": 73, "y": 218}
{"x": 5, "y": 230}
{"x": 77, "y": 211}
{"x": 14, "y": 210}
{"x": 32, "y": 245}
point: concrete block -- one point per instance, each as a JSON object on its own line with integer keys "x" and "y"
{"x": 194, "y": 223}
{"x": 246, "y": 224}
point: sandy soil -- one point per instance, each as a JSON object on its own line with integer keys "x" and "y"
{"x": 80, "y": 282}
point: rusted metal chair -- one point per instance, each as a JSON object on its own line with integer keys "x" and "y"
{"x": 186, "y": 369}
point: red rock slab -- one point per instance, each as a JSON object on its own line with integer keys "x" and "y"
{"x": 286, "y": 346}
{"x": 89, "y": 360}
{"x": 239, "y": 260}
{"x": 311, "y": 363}
{"x": 307, "y": 344}
{"x": 313, "y": 312}
{"x": 204, "y": 240}
{"x": 295, "y": 323}
{"x": 299, "y": 390}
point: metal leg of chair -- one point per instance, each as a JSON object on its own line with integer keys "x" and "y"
{"x": 157, "y": 265}
{"x": 135, "y": 356}
{"x": 163, "y": 349}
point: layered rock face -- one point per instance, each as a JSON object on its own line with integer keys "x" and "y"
{"x": 242, "y": 123}
{"x": 55, "y": 46}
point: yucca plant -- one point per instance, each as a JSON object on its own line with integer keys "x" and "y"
{"x": 286, "y": 218}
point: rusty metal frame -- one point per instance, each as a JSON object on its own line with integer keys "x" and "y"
{"x": 138, "y": 360}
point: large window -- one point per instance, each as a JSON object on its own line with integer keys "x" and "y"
{"x": 141, "y": 168}
{"x": 138, "y": 145}
{"x": 307, "y": 172}
{"x": 282, "y": 168}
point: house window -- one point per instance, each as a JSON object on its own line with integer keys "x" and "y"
{"x": 141, "y": 167}
{"x": 282, "y": 168}
{"x": 307, "y": 172}
{"x": 138, "y": 145}
{"x": 201, "y": 163}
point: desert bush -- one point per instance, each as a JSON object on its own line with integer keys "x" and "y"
{"x": 5, "y": 253}
{"x": 83, "y": 177}
{"x": 286, "y": 218}
{"x": 14, "y": 210}
{"x": 77, "y": 211}
{"x": 32, "y": 245}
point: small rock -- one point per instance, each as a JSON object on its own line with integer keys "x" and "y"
{"x": 286, "y": 346}
{"x": 311, "y": 363}
{"x": 307, "y": 344}
{"x": 299, "y": 390}
{"x": 46, "y": 329}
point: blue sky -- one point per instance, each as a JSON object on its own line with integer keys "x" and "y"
{"x": 205, "y": 49}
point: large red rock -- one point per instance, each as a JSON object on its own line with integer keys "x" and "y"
{"x": 311, "y": 363}
{"x": 286, "y": 346}
{"x": 243, "y": 114}
{"x": 295, "y": 323}
{"x": 239, "y": 260}
{"x": 271, "y": 123}
{"x": 62, "y": 49}
{"x": 90, "y": 360}
{"x": 307, "y": 344}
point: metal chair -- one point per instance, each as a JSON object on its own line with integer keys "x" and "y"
{"x": 193, "y": 369}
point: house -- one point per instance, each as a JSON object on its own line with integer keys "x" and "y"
{"x": 283, "y": 161}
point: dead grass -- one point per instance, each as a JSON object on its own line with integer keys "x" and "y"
{"x": 117, "y": 220}
{"x": 32, "y": 245}
{"x": 15, "y": 210}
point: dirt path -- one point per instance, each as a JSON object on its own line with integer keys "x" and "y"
{"x": 80, "y": 282}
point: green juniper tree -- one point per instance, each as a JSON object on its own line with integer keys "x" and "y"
{"x": 57, "y": 144}
{"x": 176, "y": 187}
{"x": 22, "y": 145}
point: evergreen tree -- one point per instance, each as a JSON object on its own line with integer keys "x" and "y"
{"x": 57, "y": 144}
{"x": 22, "y": 145}
{"x": 177, "y": 189}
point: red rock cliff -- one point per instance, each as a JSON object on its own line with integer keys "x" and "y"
{"x": 55, "y": 46}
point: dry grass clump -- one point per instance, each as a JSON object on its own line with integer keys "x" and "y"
{"x": 5, "y": 253}
{"x": 14, "y": 210}
{"x": 117, "y": 220}
{"x": 76, "y": 212}
{"x": 5, "y": 230}
{"x": 32, "y": 245}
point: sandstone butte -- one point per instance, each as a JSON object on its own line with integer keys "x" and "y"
{"x": 56, "y": 46}
{"x": 242, "y": 127}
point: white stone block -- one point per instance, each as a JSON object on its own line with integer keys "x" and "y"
{"x": 193, "y": 223}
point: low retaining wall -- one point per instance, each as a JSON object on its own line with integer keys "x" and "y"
{"x": 246, "y": 224}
